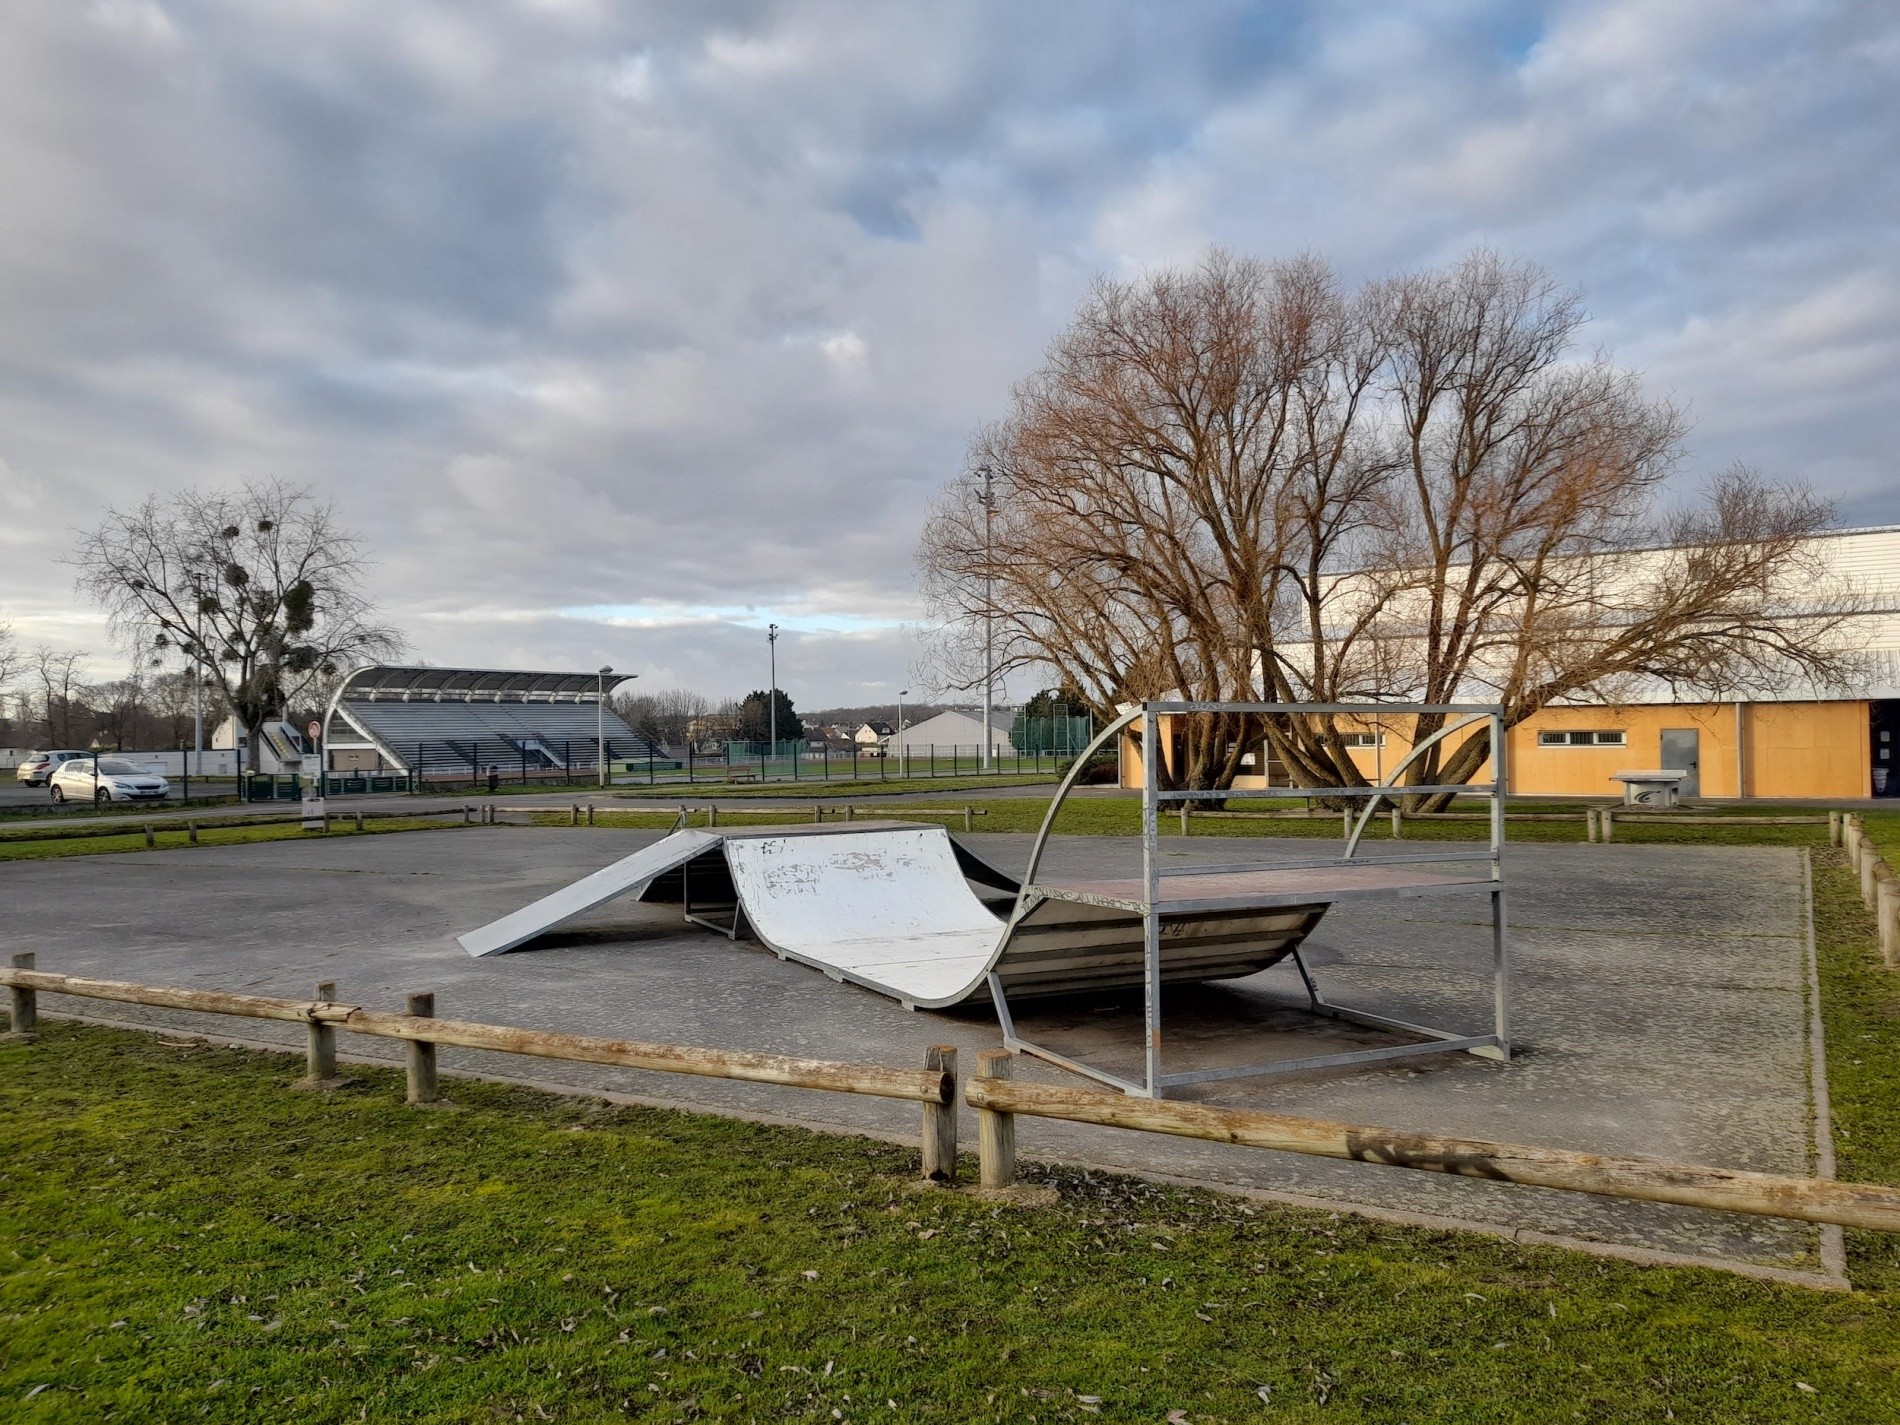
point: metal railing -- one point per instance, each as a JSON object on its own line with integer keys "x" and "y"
{"x": 1433, "y": 1040}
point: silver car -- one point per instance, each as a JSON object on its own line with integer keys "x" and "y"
{"x": 37, "y": 767}
{"x": 107, "y": 779}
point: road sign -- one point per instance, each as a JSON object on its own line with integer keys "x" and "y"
{"x": 315, "y": 729}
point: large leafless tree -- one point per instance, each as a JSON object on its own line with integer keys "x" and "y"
{"x": 259, "y": 588}
{"x": 1244, "y": 481}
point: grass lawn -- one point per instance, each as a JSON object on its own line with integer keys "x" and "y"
{"x": 183, "y": 1236}
{"x": 1121, "y": 816}
{"x": 838, "y": 787}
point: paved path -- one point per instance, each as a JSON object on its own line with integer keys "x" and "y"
{"x": 1660, "y": 1006}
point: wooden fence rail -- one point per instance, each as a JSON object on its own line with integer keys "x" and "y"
{"x": 1000, "y": 1098}
{"x": 934, "y": 1086}
{"x": 85, "y": 828}
{"x": 997, "y": 1099}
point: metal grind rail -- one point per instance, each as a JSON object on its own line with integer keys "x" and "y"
{"x": 998, "y": 1100}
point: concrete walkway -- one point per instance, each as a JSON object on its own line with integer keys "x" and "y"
{"x": 1661, "y": 1004}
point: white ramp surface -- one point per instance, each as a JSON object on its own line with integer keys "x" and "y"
{"x": 629, "y": 875}
{"x": 889, "y": 910}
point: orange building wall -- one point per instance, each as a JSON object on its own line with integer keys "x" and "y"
{"x": 1810, "y": 749}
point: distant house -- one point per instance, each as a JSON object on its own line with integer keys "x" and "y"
{"x": 954, "y": 729}
{"x": 871, "y": 738}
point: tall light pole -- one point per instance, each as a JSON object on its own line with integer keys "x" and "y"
{"x": 903, "y": 749}
{"x": 600, "y": 728}
{"x": 988, "y": 500}
{"x": 771, "y": 642}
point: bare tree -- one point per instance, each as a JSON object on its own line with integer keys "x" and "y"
{"x": 1241, "y": 481}
{"x": 13, "y": 659}
{"x": 260, "y": 589}
{"x": 662, "y": 717}
{"x": 60, "y": 675}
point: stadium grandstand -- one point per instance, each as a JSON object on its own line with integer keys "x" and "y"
{"x": 456, "y": 724}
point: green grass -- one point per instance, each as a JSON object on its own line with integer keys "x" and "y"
{"x": 1121, "y": 816}
{"x": 1860, "y": 1006}
{"x": 184, "y": 1237}
{"x": 25, "y": 847}
{"x": 841, "y": 788}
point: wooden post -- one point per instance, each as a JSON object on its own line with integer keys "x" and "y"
{"x": 712, "y": 814}
{"x": 25, "y": 1003}
{"x": 1887, "y": 918}
{"x": 359, "y": 821}
{"x": 940, "y": 1119}
{"x": 320, "y": 1054}
{"x": 995, "y": 1132}
{"x": 191, "y": 831}
{"x": 1184, "y": 818}
{"x": 150, "y": 839}
{"x": 574, "y": 818}
{"x": 421, "y": 1053}
{"x": 1398, "y": 824}
{"x": 848, "y": 812}
{"x": 818, "y": 814}
{"x": 1870, "y": 866}
{"x": 1834, "y": 828}
{"x": 1345, "y": 823}
{"x": 969, "y": 818}
{"x": 590, "y": 813}
{"x": 1850, "y": 840}
{"x": 1590, "y": 825}
{"x": 1606, "y": 825}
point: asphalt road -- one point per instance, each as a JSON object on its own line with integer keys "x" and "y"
{"x": 1660, "y": 1003}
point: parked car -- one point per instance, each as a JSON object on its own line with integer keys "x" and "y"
{"x": 37, "y": 767}
{"x": 106, "y": 779}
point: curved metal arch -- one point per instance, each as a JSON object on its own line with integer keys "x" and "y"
{"x": 1372, "y": 803}
{"x": 1068, "y": 783}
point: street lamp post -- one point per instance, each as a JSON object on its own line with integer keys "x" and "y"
{"x": 903, "y": 749}
{"x": 600, "y": 728}
{"x": 771, "y": 642}
{"x": 987, "y": 498}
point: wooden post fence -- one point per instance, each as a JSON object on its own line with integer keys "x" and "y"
{"x": 927, "y": 1085}
{"x": 996, "y": 1096}
{"x": 320, "y": 1051}
{"x": 940, "y": 1119}
{"x": 1887, "y": 917}
{"x": 995, "y": 1128}
{"x": 421, "y": 1055}
{"x": 24, "y": 1002}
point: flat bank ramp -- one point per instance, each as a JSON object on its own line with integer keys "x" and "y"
{"x": 891, "y": 907}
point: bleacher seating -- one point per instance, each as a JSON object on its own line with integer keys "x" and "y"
{"x": 460, "y": 722}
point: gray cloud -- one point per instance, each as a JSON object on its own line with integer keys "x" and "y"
{"x": 621, "y": 329}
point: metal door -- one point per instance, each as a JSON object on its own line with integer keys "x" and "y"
{"x": 1885, "y": 734}
{"x": 1682, "y": 752}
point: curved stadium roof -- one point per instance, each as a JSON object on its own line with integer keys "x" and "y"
{"x": 389, "y": 682}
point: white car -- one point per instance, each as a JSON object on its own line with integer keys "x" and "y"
{"x": 36, "y": 767}
{"x": 107, "y": 779}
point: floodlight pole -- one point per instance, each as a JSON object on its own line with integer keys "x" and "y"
{"x": 987, "y": 499}
{"x": 903, "y": 749}
{"x": 771, "y": 643}
{"x": 600, "y": 728}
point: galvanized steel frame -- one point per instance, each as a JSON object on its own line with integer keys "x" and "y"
{"x": 1494, "y": 1045}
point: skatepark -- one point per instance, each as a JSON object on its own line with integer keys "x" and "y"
{"x": 1641, "y": 974}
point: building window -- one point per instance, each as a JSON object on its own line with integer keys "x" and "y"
{"x": 1363, "y": 739}
{"x": 1583, "y": 738}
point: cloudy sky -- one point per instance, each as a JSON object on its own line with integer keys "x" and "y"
{"x": 620, "y": 329}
